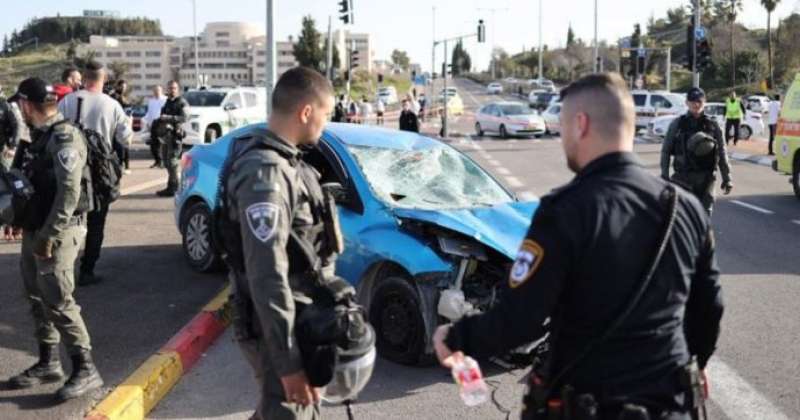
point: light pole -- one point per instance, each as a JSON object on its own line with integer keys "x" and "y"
{"x": 269, "y": 66}
{"x": 196, "y": 53}
{"x": 494, "y": 24}
{"x": 596, "y": 57}
{"x": 697, "y": 20}
{"x": 541, "y": 75}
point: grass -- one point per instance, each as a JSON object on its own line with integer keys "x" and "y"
{"x": 46, "y": 62}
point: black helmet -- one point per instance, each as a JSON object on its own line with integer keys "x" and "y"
{"x": 701, "y": 144}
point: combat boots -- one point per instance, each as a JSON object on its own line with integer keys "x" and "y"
{"x": 168, "y": 192}
{"x": 46, "y": 370}
{"x": 83, "y": 379}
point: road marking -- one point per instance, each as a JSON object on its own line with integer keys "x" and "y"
{"x": 752, "y": 207}
{"x": 143, "y": 186}
{"x": 514, "y": 182}
{"x": 493, "y": 162}
{"x": 797, "y": 222}
{"x": 527, "y": 196}
{"x": 737, "y": 398}
{"x": 503, "y": 171}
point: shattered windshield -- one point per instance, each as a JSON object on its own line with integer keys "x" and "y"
{"x": 431, "y": 178}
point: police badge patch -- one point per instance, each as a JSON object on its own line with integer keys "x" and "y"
{"x": 528, "y": 258}
{"x": 262, "y": 219}
{"x": 68, "y": 158}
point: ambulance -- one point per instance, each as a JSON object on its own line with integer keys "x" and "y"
{"x": 787, "y": 138}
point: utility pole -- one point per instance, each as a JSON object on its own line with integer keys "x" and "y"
{"x": 669, "y": 69}
{"x": 269, "y": 66}
{"x": 596, "y": 54}
{"x": 196, "y": 53}
{"x": 697, "y": 21}
{"x": 329, "y": 61}
{"x": 494, "y": 41}
{"x": 541, "y": 74}
{"x": 433, "y": 59}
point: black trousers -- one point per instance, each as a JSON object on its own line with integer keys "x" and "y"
{"x": 123, "y": 154}
{"x": 772, "y": 129}
{"x": 155, "y": 151}
{"x": 95, "y": 226}
{"x": 735, "y": 124}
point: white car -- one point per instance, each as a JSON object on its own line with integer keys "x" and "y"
{"x": 508, "y": 119}
{"x": 552, "y": 120}
{"x": 753, "y": 122}
{"x": 215, "y": 112}
{"x": 494, "y": 88}
{"x": 757, "y": 103}
{"x": 542, "y": 84}
{"x": 650, "y": 105}
{"x": 388, "y": 94}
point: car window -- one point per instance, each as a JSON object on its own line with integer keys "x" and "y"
{"x": 658, "y": 101}
{"x": 515, "y": 109}
{"x": 236, "y": 100}
{"x": 639, "y": 99}
{"x": 204, "y": 98}
{"x": 714, "y": 110}
{"x": 488, "y": 109}
{"x": 251, "y": 99}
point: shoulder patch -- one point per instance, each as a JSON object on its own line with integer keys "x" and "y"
{"x": 529, "y": 257}
{"x": 262, "y": 218}
{"x": 68, "y": 158}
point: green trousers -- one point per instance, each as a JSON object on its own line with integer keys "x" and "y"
{"x": 170, "y": 158}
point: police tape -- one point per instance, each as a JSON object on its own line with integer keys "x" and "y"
{"x": 137, "y": 395}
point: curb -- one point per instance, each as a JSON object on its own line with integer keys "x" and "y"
{"x": 757, "y": 159}
{"x": 136, "y": 396}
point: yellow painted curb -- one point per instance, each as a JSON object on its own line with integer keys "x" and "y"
{"x": 219, "y": 301}
{"x": 134, "y": 398}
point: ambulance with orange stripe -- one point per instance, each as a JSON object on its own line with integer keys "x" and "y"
{"x": 787, "y": 138}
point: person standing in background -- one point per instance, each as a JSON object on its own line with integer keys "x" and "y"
{"x": 774, "y": 115}
{"x": 380, "y": 108}
{"x": 71, "y": 81}
{"x": 366, "y": 110}
{"x": 154, "y": 105}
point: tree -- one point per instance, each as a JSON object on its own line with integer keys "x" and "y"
{"x": 570, "y": 36}
{"x": 462, "y": 62}
{"x": 730, "y": 9}
{"x": 769, "y": 5}
{"x": 119, "y": 69}
{"x": 308, "y": 48}
{"x": 5, "y": 45}
{"x": 336, "y": 62}
{"x": 400, "y": 59}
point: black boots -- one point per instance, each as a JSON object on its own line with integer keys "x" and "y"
{"x": 46, "y": 370}
{"x": 84, "y": 377}
{"x": 167, "y": 192}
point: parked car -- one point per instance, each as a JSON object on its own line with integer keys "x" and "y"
{"x": 136, "y": 113}
{"x": 215, "y": 112}
{"x": 540, "y": 99}
{"x": 455, "y": 105}
{"x": 757, "y": 103}
{"x": 552, "y": 120}
{"x": 654, "y": 104}
{"x": 542, "y": 84}
{"x": 429, "y": 234}
{"x": 494, "y": 88}
{"x": 508, "y": 119}
{"x": 388, "y": 94}
{"x": 753, "y": 122}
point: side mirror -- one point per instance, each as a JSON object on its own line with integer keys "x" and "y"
{"x": 230, "y": 106}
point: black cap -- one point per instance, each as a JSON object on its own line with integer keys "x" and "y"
{"x": 695, "y": 94}
{"x": 34, "y": 89}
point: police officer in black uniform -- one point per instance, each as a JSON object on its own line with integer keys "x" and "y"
{"x": 8, "y": 132}
{"x": 174, "y": 113}
{"x": 590, "y": 246}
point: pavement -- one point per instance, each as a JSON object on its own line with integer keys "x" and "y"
{"x": 755, "y": 373}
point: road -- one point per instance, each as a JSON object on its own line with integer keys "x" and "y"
{"x": 754, "y": 375}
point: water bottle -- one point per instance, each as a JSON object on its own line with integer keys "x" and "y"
{"x": 471, "y": 387}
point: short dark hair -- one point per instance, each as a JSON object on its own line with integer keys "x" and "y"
{"x": 298, "y": 86}
{"x": 777, "y": 96}
{"x": 174, "y": 81}
{"x": 121, "y": 82}
{"x": 67, "y": 73}
{"x": 94, "y": 71}
{"x": 605, "y": 98}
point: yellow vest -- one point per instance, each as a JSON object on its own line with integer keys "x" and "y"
{"x": 733, "y": 110}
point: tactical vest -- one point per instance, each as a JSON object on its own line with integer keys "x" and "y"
{"x": 733, "y": 110}
{"x": 307, "y": 247}
{"x": 683, "y": 156}
{"x": 39, "y": 167}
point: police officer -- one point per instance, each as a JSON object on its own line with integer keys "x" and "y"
{"x": 734, "y": 112}
{"x": 8, "y": 132}
{"x": 284, "y": 240}
{"x": 173, "y": 115}
{"x": 583, "y": 275}
{"x": 54, "y": 229}
{"x": 696, "y": 156}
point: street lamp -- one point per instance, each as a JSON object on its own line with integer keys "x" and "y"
{"x": 196, "y": 53}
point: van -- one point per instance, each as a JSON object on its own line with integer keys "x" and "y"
{"x": 654, "y": 104}
{"x": 215, "y": 112}
{"x": 787, "y": 138}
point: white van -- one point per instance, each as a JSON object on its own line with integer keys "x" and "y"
{"x": 654, "y": 104}
{"x": 215, "y": 112}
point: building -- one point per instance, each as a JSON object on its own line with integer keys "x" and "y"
{"x": 345, "y": 41}
{"x": 228, "y": 54}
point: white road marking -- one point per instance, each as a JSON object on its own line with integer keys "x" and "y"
{"x": 503, "y": 171}
{"x": 797, "y": 222}
{"x": 493, "y": 162}
{"x": 527, "y": 196}
{"x": 738, "y": 399}
{"x": 143, "y": 186}
{"x": 514, "y": 182}
{"x": 752, "y": 207}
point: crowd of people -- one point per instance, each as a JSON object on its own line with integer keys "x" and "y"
{"x": 412, "y": 111}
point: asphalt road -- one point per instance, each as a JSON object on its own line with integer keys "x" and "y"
{"x": 148, "y": 295}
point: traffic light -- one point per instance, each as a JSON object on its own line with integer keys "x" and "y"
{"x": 346, "y": 11}
{"x": 704, "y": 60}
{"x": 413, "y": 75}
{"x": 690, "y": 41}
{"x": 380, "y": 78}
{"x": 347, "y": 75}
{"x": 353, "y": 59}
{"x": 481, "y": 31}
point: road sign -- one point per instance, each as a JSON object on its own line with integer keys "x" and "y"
{"x": 625, "y": 42}
{"x": 700, "y": 33}
{"x": 641, "y": 52}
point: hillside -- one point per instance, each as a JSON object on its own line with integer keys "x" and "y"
{"x": 47, "y": 62}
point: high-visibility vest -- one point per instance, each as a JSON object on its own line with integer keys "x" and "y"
{"x": 733, "y": 109}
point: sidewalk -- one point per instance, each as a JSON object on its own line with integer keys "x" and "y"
{"x": 753, "y": 151}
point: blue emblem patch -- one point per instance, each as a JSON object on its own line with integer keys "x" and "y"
{"x": 262, "y": 219}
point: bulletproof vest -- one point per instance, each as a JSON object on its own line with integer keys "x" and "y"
{"x": 39, "y": 167}
{"x": 307, "y": 246}
{"x": 688, "y": 157}
{"x": 174, "y": 107}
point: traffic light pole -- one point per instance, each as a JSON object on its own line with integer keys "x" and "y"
{"x": 697, "y": 20}
{"x": 269, "y": 66}
{"x": 444, "y": 74}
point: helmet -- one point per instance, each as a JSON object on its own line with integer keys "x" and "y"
{"x": 162, "y": 129}
{"x": 701, "y": 144}
{"x": 354, "y": 363}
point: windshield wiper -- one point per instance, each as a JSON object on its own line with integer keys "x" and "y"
{"x": 397, "y": 197}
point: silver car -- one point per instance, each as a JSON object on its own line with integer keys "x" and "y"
{"x": 509, "y": 119}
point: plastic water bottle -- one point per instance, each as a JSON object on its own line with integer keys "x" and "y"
{"x": 471, "y": 387}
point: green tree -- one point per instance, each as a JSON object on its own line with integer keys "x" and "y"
{"x": 729, "y": 10}
{"x": 770, "y": 5}
{"x": 119, "y": 69}
{"x": 400, "y": 58}
{"x": 462, "y": 63}
{"x": 308, "y": 48}
{"x": 570, "y": 36}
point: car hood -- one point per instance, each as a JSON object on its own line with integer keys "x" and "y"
{"x": 501, "y": 227}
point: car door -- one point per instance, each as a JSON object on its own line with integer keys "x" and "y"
{"x": 255, "y": 112}
{"x": 234, "y": 108}
{"x": 661, "y": 105}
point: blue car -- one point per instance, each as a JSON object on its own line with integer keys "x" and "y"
{"x": 429, "y": 235}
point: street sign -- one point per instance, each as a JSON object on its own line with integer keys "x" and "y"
{"x": 625, "y": 42}
{"x": 641, "y": 52}
{"x": 700, "y": 33}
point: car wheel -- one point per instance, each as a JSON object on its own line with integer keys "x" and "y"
{"x": 503, "y": 132}
{"x": 211, "y": 134}
{"x": 397, "y": 318}
{"x": 745, "y": 132}
{"x": 197, "y": 244}
{"x": 478, "y": 129}
{"x": 796, "y": 176}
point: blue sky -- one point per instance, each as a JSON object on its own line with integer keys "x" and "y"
{"x": 403, "y": 24}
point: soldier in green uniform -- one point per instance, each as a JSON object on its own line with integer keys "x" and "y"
{"x": 281, "y": 239}
{"x": 696, "y": 142}
{"x": 54, "y": 228}
{"x": 174, "y": 113}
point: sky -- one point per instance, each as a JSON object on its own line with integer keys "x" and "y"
{"x": 406, "y": 24}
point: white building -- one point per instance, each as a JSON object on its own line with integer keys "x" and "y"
{"x": 345, "y": 41}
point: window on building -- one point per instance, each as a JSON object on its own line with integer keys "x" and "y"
{"x": 133, "y": 54}
{"x": 135, "y": 65}
{"x": 223, "y": 44}
{"x": 153, "y": 76}
{"x": 223, "y": 34}
{"x": 152, "y": 54}
{"x": 262, "y": 52}
{"x": 153, "y": 65}
{"x": 98, "y": 54}
{"x": 113, "y": 54}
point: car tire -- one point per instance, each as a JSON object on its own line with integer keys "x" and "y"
{"x": 198, "y": 248}
{"x": 745, "y": 132}
{"x": 395, "y": 313}
{"x": 503, "y": 132}
{"x": 796, "y": 176}
{"x": 211, "y": 135}
{"x": 478, "y": 129}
